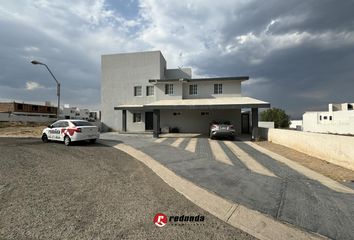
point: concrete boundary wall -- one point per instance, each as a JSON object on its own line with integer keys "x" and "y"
{"x": 6, "y": 117}
{"x": 335, "y": 149}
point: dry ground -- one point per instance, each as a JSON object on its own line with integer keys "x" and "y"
{"x": 21, "y": 129}
{"x": 321, "y": 166}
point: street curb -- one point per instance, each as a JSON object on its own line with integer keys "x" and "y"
{"x": 253, "y": 222}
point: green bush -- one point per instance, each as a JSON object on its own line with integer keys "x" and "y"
{"x": 276, "y": 115}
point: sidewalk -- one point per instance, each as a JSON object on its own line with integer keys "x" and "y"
{"x": 243, "y": 173}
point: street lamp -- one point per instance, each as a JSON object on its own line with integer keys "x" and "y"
{"x": 58, "y": 84}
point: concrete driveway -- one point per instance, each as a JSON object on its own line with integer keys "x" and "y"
{"x": 258, "y": 179}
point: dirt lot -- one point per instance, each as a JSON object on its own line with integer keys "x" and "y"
{"x": 321, "y": 166}
{"x": 21, "y": 129}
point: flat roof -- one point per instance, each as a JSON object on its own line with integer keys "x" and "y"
{"x": 206, "y": 103}
{"x": 240, "y": 78}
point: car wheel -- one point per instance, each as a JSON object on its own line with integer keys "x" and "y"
{"x": 44, "y": 138}
{"x": 67, "y": 140}
{"x": 92, "y": 140}
{"x": 211, "y": 136}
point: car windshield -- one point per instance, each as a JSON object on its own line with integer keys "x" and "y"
{"x": 81, "y": 123}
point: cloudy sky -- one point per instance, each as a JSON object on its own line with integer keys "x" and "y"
{"x": 298, "y": 53}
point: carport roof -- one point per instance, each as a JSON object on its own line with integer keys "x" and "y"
{"x": 206, "y": 103}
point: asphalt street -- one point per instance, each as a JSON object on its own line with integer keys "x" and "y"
{"x": 288, "y": 195}
{"x": 50, "y": 191}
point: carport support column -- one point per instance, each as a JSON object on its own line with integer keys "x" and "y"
{"x": 255, "y": 124}
{"x": 156, "y": 122}
{"x": 124, "y": 120}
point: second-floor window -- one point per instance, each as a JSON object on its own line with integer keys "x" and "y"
{"x": 149, "y": 90}
{"x": 137, "y": 91}
{"x": 218, "y": 88}
{"x": 193, "y": 89}
{"x": 169, "y": 89}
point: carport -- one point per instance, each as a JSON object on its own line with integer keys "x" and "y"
{"x": 225, "y": 105}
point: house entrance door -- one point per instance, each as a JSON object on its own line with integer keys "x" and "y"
{"x": 149, "y": 121}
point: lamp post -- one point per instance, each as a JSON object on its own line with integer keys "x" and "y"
{"x": 58, "y": 83}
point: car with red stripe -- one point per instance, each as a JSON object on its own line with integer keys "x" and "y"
{"x": 69, "y": 131}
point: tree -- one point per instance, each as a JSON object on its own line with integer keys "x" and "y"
{"x": 276, "y": 115}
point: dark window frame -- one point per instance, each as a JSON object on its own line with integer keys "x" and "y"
{"x": 193, "y": 89}
{"x": 150, "y": 92}
{"x": 137, "y": 117}
{"x": 217, "y": 88}
{"x": 136, "y": 88}
{"x": 169, "y": 89}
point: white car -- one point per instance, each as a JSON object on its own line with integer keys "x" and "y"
{"x": 70, "y": 131}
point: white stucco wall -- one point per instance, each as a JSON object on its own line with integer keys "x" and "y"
{"x": 342, "y": 122}
{"x": 263, "y": 124}
{"x": 120, "y": 73}
{"x": 296, "y": 124}
{"x": 135, "y": 126}
{"x": 206, "y": 89}
{"x": 331, "y": 148}
{"x": 160, "y": 91}
{"x": 191, "y": 121}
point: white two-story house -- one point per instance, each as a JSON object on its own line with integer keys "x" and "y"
{"x": 140, "y": 94}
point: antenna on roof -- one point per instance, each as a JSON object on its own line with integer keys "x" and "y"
{"x": 180, "y": 67}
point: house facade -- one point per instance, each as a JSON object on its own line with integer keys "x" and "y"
{"x": 339, "y": 119}
{"x": 140, "y": 94}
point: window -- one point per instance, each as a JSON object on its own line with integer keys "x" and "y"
{"x": 204, "y": 113}
{"x": 57, "y": 124}
{"x": 320, "y": 118}
{"x": 218, "y": 88}
{"x": 137, "y": 91}
{"x": 169, "y": 89}
{"x": 330, "y": 118}
{"x": 325, "y": 117}
{"x": 136, "y": 117}
{"x": 81, "y": 123}
{"x": 20, "y": 106}
{"x": 149, "y": 90}
{"x": 49, "y": 109}
{"x": 193, "y": 89}
{"x": 176, "y": 113}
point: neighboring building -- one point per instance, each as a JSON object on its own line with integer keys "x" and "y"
{"x": 264, "y": 124}
{"x": 26, "y": 112}
{"x": 95, "y": 116}
{"x": 339, "y": 119}
{"x": 67, "y": 112}
{"x": 296, "y": 124}
{"x": 140, "y": 94}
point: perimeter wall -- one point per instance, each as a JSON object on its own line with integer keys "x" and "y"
{"x": 335, "y": 149}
